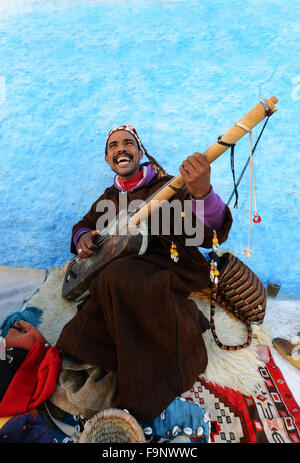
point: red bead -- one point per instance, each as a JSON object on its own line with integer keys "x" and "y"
{"x": 257, "y": 219}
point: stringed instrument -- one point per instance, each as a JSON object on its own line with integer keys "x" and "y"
{"x": 131, "y": 236}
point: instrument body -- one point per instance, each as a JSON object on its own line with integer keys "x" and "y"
{"x": 131, "y": 237}
{"x": 81, "y": 272}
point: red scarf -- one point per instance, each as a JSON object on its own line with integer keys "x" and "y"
{"x": 34, "y": 381}
{"x": 129, "y": 183}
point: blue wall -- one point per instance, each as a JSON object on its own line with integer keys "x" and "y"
{"x": 181, "y": 72}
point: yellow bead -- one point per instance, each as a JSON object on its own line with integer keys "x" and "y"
{"x": 215, "y": 240}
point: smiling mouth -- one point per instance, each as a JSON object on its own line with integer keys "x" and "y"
{"x": 123, "y": 159}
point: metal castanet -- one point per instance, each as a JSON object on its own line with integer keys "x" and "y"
{"x": 81, "y": 272}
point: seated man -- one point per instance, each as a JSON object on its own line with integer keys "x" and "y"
{"x": 137, "y": 320}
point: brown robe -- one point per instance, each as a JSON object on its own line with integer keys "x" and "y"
{"x": 138, "y": 321}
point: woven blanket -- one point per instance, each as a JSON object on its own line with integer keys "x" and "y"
{"x": 269, "y": 415}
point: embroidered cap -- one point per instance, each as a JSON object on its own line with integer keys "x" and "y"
{"x": 129, "y": 128}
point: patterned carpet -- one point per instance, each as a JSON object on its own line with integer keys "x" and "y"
{"x": 270, "y": 415}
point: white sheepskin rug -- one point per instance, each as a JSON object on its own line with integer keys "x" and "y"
{"x": 57, "y": 311}
{"x": 237, "y": 370}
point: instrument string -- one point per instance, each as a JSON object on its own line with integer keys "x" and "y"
{"x": 102, "y": 238}
{"x": 247, "y": 162}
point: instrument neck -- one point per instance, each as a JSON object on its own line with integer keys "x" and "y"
{"x": 251, "y": 119}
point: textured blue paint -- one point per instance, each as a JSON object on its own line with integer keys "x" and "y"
{"x": 181, "y": 72}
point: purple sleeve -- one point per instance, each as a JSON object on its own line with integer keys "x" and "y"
{"x": 79, "y": 232}
{"x": 213, "y": 209}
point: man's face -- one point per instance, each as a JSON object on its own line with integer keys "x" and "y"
{"x": 123, "y": 154}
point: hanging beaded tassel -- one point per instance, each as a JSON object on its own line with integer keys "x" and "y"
{"x": 214, "y": 272}
{"x": 174, "y": 252}
{"x": 215, "y": 241}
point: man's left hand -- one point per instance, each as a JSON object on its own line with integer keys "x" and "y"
{"x": 25, "y": 336}
{"x": 196, "y": 173}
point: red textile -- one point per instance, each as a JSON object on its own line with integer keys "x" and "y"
{"x": 129, "y": 183}
{"x": 270, "y": 415}
{"x": 34, "y": 381}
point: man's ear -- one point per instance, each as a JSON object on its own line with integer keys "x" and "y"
{"x": 141, "y": 154}
{"x": 106, "y": 160}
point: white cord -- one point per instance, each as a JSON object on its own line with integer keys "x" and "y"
{"x": 248, "y": 252}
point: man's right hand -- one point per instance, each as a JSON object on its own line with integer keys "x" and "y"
{"x": 85, "y": 247}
